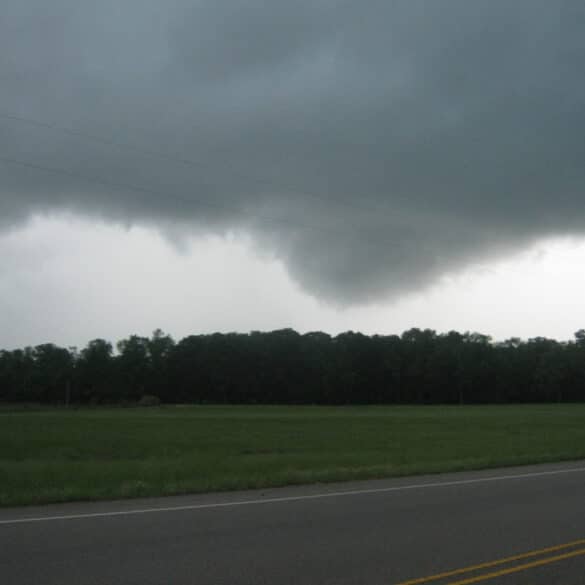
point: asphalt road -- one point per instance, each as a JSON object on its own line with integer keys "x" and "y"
{"x": 377, "y": 532}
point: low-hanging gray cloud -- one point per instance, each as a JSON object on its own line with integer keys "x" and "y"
{"x": 372, "y": 146}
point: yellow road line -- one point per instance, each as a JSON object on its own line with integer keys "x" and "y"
{"x": 490, "y": 564}
{"x": 517, "y": 569}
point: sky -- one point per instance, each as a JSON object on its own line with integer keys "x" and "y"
{"x": 323, "y": 165}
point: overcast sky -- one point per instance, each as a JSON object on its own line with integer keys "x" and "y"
{"x": 239, "y": 165}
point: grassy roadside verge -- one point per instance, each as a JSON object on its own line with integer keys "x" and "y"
{"x": 55, "y": 456}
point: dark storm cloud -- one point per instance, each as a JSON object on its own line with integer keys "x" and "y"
{"x": 372, "y": 146}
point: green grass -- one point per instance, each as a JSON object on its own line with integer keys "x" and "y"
{"x": 56, "y": 455}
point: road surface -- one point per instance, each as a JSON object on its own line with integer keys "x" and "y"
{"x": 516, "y": 526}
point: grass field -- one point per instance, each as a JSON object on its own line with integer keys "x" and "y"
{"x": 57, "y": 455}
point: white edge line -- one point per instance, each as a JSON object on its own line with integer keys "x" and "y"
{"x": 293, "y": 498}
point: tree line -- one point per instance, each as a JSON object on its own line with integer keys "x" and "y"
{"x": 285, "y": 367}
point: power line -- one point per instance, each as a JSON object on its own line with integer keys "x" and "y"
{"x": 180, "y": 160}
{"x": 144, "y": 190}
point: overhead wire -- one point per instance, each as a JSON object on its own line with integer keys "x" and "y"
{"x": 122, "y": 186}
{"x": 252, "y": 179}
